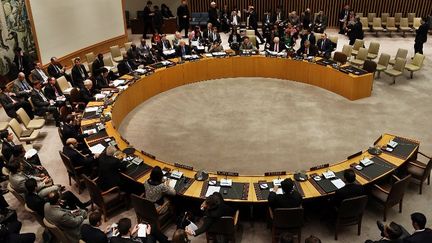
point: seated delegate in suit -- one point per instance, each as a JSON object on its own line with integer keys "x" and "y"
{"x": 234, "y": 39}
{"x": 134, "y": 56}
{"x": 68, "y": 221}
{"x": 97, "y": 65}
{"x": 350, "y": 190}
{"x": 289, "y": 198}
{"x": 214, "y": 36}
{"x": 109, "y": 170}
{"x": 207, "y": 33}
{"x": 214, "y": 208}
{"x": 307, "y": 50}
{"x": 216, "y": 47}
{"x": 78, "y": 158}
{"x": 11, "y": 103}
{"x": 276, "y": 45}
{"x": 246, "y": 45}
{"x": 42, "y": 104}
{"x": 71, "y": 129}
{"x": 79, "y": 73}
{"x": 90, "y": 231}
{"x": 56, "y": 70}
{"x": 17, "y": 180}
{"x": 421, "y": 233}
{"x": 320, "y": 22}
{"x": 52, "y": 90}
{"x": 125, "y": 66}
{"x": 156, "y": 188}
{"x": 38, "y": 73}
{"x": 102, "y": 80}
{"x": 21, "y": 87}
{"x": 196, "y": 40}
{"x": 9, "y": 148}
{"x": 183, "y": 50}
{"x": 87, "y": 93}
{"x": 127, "y": 234}
{"x": 163, "y": 46}
{"x": 146, "y": 53}
{"x": 325, "y": 46}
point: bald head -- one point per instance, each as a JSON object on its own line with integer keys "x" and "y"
{"x": 71, "y": 141}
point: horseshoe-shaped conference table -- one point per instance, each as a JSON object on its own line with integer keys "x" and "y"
{"x": 244, "y": 188}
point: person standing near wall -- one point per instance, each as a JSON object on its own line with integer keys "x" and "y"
{"x": 148, "y": 19}
{"x": 183, "y": 16}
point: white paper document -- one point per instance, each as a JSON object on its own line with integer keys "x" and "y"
{"x": 142, "y": 230}
{"x": 338, "y": 183}
{"x": 169, "y": 52}
{"x": 192, "y": 226}
{"x": 97, "y": 149}
{"x": 91, "y": 109}
{"x": 99, "y": 96}
{"x": 172, "y": 183}
{"x": 118, "y": 82}
{"x": 279, "y": 190}
{"x": 90, "y": 131}
{"x": 211, "y": 190}
{"x": 277, "y": 182}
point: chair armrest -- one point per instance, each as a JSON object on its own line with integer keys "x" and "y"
{"x": 78, "y": 168}
{"x": 381, "y": 189}
{"x": 417, "y": 165}
{"x": 429, "y": 157}
{"x": 270, "y": 212}
{"x": 395, "y": 177}
{"x": 236, "y": 217}
{"x": 113, "y": 189}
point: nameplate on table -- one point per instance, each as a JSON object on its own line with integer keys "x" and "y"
{"x": 354, "y": 155}
{"x": 227, "y": 173}
{"x": 148, "y": 154}
{"x": 275, "y": 173}
{"x": 319, "y": 167}
{"x": 376, "y": 141}
{"x": 126, "y": 141}
{"x": 187, "y": 167}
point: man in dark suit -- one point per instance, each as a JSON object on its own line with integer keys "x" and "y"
{"x": 276, "y": 45}
{"x": 207, "y": 33}
{"x": 38, "y": 73}
{"x": 343, "y": 17}
{"x": 213, "y": 15}
{"x": 22, "y": 62}
{"x": 87, "y": 93}
{"x": 253, "y": 22}
{"x": 350, "y": 190}
{"x": 158, "y": 19}
{"x": 278, "y": 16}
{"x": 91, "y": 232}
{"x": 421, "y": 233}
{"x": 52, "y": 91}
{"x": 97, "y": 65}
{"x": 215, "y": 36}
{"x": 77, "y": 158}
{"x": 421, "y": 36}
{"x": 32, "y": 199}
{"x": 289, "y": 198}
{"x": 102, "y": 80}
{"x": 79, "y": 73}
{"x": 125, "y": 66}
{"x": 42, "y": 104}
{"x": 9, "y": 148}
{"x": 307, "y": 50}
{"x": 183, "y": 49}
{"x": 148, "y": 19}
{"x": 390, "y": 234}
{"x": 308, "y": 35}
{"x": 71, "y": 129}
{"x": 325, "y": 46}
{"x": 355, "y": 31}
{"x": 109, "y": 170}
{"x": 11, "y": 103}
{"x": 56, "y": 70}
{"x": 320, "y": 22}
{"x": 183, "y": 16}
{"x": 21, "y": 87}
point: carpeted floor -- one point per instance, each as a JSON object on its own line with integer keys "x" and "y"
{"x": 404, "y": 109}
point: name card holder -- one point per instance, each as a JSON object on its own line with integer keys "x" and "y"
{"x": 148, "y": 154}
{"x": 376, "y": 141}
{"x": 228, "y": 173}
{"x": 275, "y": 173}
{"x": 319, "y": 167}
{"x": 187, "y": 167}
{"x": 354, "y": 155}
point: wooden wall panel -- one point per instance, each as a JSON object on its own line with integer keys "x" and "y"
{"x": 330, "y": 7}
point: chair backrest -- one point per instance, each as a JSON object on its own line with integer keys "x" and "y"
{"x": 374, "y": 47}
{"x": 68, "y": 163}
{"x": 364, "y": 21}
{"x": 127, "y": 45}
{"x": 411, "y": 17}
{"x": 359, "y": 15}
{"x": 115, "y": 51}
{"x": 334, "y": 39}
{"x": 401, "y": 53}
{"x": 427, "y": 170}
{"x": 22, "y": 115}
{"x": 384, "y": 17}
{"x": 223, "y": 226}
{"x": 397, "y": 191}
{"x": 252, "y": 39}
{"x": 55, "y": 231}
{"x": 108, "y": 61}
{"x": 250, "y": 32}
{"x": 37, "y": 216}
{"x": 63, "y": 83}
{"x": 398, "y": 17}
{"x": 16, "y": 128}
{"x": 340, "y": 57}
{"x": 351, "y": 210}
{"x": 90, "y": 57}
{"x": 362, "y": 54}
{"x": 15, "y": 193}
{"x": 371, "y": 16}
{"x": 369, "y": 66}
{"x": 390, "y": 22}
{"x": 416, "y": 22}
{"x": 144, "y": 209}
{"x": 384, "y": 59}
{"x": 288, "y": 218}
{"x": 94, "y": 191}
{"x": 403, "y": 22}
{"x": 377, "y": 22}
{"x": 417, "y": 60}
{"x": 347, "y": 49}
{"x": 358, "y": 44}
{"x": 399, "y": 64}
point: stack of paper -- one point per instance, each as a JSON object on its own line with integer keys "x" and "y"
{"x": 277, "y": 182}
{"x": 329, "y": 174}
{"x": 338, "y": 183}
{"x": 97, "y": 149}
{"x": 118, "y": 82}
{"x": 279, "y": 190}
{"x": 142, "y": 230}
{"x": 226, "y": 182}
{"x": 211, "y": 190}
{"x": 91, "y": 109}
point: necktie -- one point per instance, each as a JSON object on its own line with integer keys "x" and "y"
{"x": 276, "y": 47}
{"x": 57, "y": 68}
{"x": 43, "y": 96}
{"x": 129, "y": 67}
{"x": 322, "y": 45}
{"x": 183, "y": 51}
{"x": 42, "y": 74}
{"x": 24, "y": 85}
{"x": 81, "y": 71}
{"x": 20, "y": 67}
{"x": 55, "y": 91}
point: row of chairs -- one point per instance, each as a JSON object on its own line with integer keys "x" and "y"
{"x": 390, "y": 25}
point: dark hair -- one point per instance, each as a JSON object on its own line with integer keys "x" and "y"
{"x": 156, "y": 175}
{"x": 4, "y": 134}
{"x": 287, "y": 185}
{"x": 349, "y": 175}
{"x": 30, "y": 185}
{"x": 18, "y": 49}
{"x": 104, "y": 70}
{"x": 312, "y": 239}
{"x": 156, "y": 7}
{"x": 419, "y": 219}
{"x": 212, "y": 201}
{"x": 52, "y": 58}
{"x": 53, "y": 197}
{"x": 286, "y": 238}
{"x": 100, "y": 55}
{"x": 179, "y": 236}
{"x": 394, "y": 231}
{"x": 149, "y": 2}
{"x": 123, "y": 226}
{"x": 95, "y": 218}
{"x": 13, "y": 166}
